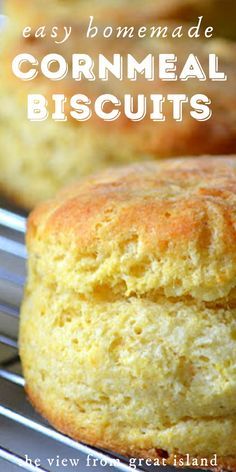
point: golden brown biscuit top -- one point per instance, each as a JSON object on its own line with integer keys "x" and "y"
{"x": 158, "y": 226}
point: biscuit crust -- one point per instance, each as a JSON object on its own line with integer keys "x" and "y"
{"x": 177, "y": 217}
{"x": 61, "y": 424}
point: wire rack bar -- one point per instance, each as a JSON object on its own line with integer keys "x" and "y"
{"x": 12, "y": 377}
{"x": 12, "y": 221}
{"x": 8, "y": 310}
{"x": 12, "y": 278}
{"x": 52, "y": 434}
{"x": 15, "y": 459}
{"x": 8, "y": 341}
{"x": 12, "y": 247}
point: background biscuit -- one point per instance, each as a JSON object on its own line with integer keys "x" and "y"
{"x": 36, "y": 159}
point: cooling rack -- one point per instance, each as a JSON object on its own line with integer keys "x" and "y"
{"x": 14, "y": 408}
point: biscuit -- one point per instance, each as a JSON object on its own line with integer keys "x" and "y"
{"x": 36, "y": 159}
{"x": 217, "y": 13}
{"x": 128, "y": 325}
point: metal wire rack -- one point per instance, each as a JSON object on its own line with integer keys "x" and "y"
{"x": 14, "y": 407}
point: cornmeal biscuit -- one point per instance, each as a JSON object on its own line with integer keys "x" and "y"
{"x": 128, "y": 325}
{"x": 217, "y": 13}
{"x": 36, "y": 159}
